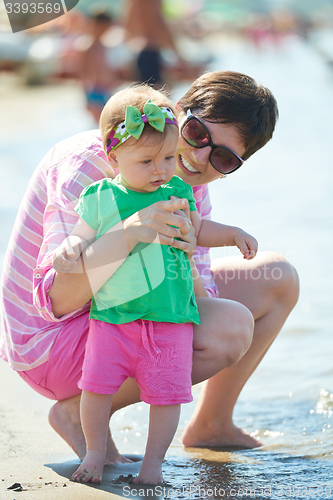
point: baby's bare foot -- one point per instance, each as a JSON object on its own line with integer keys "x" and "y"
{"x": 91, "y": 469}
{"x": 150, "y": 472}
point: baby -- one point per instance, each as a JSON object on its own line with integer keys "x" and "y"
{"x": 141, "y": 320}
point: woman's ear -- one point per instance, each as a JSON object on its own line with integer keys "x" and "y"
{"x": 112, "y": 159}
{"x": 179, "y": 110}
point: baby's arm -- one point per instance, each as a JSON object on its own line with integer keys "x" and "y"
{"x": 65, "y": 257}
{"x": 213, "y": 234}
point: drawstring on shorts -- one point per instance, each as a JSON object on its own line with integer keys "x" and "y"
{"x": 147, "y": 336}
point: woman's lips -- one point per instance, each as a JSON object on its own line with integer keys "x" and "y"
{"x": 187, "y": 167}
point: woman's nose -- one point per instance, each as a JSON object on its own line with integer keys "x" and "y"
{"x": 201, "y": 156}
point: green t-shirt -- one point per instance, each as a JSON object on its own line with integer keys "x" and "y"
{"x": 155, "y": 281}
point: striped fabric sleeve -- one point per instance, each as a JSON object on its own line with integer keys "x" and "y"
{"x": 41, "y": 300}
{"x": 60, "y": 218}
{"x": 45, "y": 216}
{"x": 201, "y": 255}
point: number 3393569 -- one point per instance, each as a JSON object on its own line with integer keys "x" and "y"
{"x": 32, "y": 8}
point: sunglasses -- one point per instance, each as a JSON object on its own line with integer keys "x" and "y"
{"x": 196, "y": 134}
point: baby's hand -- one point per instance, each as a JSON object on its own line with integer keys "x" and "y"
{"x": 246, "y": 244}
{"x": 64, "y": 258}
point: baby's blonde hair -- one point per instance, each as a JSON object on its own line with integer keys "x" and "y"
{"x": 137, "y": 95}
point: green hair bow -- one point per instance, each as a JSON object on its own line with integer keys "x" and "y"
{"x": 135, "y": 122}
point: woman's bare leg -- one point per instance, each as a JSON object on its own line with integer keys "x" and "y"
{"x": 268, "y": 286}
{"x": 65, "y": 419}
{"x": 222, "y": 338}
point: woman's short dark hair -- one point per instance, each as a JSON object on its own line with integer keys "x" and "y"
{"x": 237, "y": 99}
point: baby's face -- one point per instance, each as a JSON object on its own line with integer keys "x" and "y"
{"x": 145, "y": 165}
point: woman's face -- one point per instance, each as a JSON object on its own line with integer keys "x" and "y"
{"x": 193, "y": 165}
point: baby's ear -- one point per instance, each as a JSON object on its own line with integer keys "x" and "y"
{"x": 112, "y": 159}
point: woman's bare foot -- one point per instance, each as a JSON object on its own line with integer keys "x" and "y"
{"x": 64, "y": 417}
{"x": 91, "y": 469}
{"x": 219, "y": 436}
{"x": 112, "y": 454}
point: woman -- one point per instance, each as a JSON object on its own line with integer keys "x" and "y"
{"x": 45, "y": 325}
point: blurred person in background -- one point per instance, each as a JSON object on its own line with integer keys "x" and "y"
{"x": 98, "y": 77}
{"x": 147, "y": 33}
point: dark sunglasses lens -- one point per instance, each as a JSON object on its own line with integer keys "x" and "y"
{"x": 195, "y": 134}
{"x": 223, "y": 160}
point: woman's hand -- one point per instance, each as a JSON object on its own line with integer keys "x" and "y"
{"x": 188, "y": 242}
{"x": 246, "y": 243}
{"x": 155, "y": 223}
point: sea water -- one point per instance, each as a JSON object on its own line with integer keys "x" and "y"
{"x": 283, "y": 196}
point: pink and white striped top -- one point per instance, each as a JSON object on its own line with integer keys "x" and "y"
{"x": 45, "y": 216}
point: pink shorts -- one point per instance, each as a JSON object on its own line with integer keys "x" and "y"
{"x": 158, "y": 355}
{"x": 58, "y": 378}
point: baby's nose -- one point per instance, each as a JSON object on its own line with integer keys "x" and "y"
{"x": 159, "y": 168}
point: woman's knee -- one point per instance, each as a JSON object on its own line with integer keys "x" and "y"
{"x": 283, "y": 279}
{"x": 225, "y": 332}
{"x": 230, "y": 335}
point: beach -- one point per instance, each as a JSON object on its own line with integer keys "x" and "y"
{"x": 283, "y": 196}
